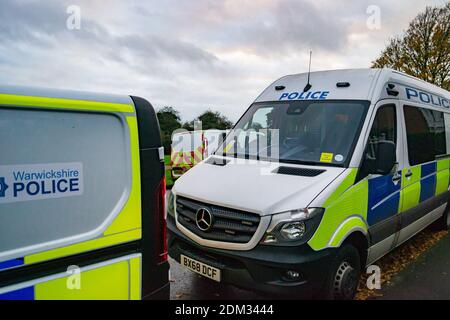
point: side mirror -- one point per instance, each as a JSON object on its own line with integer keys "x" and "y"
{"x": 386, "y": 157}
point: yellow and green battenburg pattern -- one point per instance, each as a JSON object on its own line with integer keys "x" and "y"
{"x": 126, "y": 226}
{"x": 186, "y": 159}
{"x": 346, "y": 209}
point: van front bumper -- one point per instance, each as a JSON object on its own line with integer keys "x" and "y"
{"x": 263, "y": 269}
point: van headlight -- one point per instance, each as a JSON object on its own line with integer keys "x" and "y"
{"x": 293, "y": 227}
{"x": 293, "y": 230}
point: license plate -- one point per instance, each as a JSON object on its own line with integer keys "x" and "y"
{"x": 200, "y": 268}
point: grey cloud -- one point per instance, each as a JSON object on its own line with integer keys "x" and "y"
{"x": 29, "y": 21}
{"x": 186, "y": 53}
{"x": 151, "y": 45}
{"x": 269, "y": 28}
{"x": 296, "y": 25}
{"x": 24, "y": 20}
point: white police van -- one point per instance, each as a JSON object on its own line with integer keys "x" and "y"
{"x": 318, "y": 180}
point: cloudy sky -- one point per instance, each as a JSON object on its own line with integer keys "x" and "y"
{"x": 190, "y": 54}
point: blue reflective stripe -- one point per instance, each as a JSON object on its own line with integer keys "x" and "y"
{"x": 21, "y": 294}
{"x": 428, "y": 181}
{"x": 428, "y": 169}
{"x": 11, "y": 263}
{"x": 384, "y": 199}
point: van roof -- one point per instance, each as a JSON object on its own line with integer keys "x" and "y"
{"x": 65, "y": 94}
{"x": 365, "y": 84}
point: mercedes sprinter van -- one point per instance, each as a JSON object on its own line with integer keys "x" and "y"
{"x": 318, "y": 180}
{"x": 81, "y": 197}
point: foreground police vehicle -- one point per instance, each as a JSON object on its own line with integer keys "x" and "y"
{"x": 81, "y": 197}
{"x": 362, "y": 165}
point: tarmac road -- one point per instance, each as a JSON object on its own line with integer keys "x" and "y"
{"x": 427, "y": 278}
{"x": 187, "y": 285}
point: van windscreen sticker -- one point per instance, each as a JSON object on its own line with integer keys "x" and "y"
{"x": 326, "y": 157}
{"x": 40, "y": 181}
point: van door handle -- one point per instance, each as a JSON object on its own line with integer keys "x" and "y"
{"x": 408, "y": 174}
{"x": 396, "y": 177}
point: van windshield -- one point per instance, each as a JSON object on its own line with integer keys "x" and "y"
{"x": 308, "y": 132}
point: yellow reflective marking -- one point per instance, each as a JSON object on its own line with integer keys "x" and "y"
{"x": 442, "y": 176}
{"x": 135, "y": 278}
{"x": 84, "y": 246}
{"x": 348, "y": 181}
{"x": 354, "y": 223}
{"x": 130, "y": 216}
{"x": 410, "y": 195}
{"x": 353, "y": 201}
{"x": 58, "y": 103}
{"x": 228, "y": 147}
{"x": 108, "y": 282}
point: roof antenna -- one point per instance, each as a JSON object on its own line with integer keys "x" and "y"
{"x": 308, "y": 85}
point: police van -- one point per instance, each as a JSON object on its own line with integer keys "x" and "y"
{"x": 189, "y": 148}
{"x": 324, "y": 176}
{"x": 82, "y": 190}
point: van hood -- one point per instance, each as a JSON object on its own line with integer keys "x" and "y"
{"x": 253, "y": 186}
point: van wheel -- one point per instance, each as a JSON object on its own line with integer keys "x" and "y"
{"x": 344, "y": 275}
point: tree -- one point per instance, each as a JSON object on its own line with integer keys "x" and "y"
{"x": 169, "y": 120}
{"x": 423, "y": 50}
{"x": 210, "y": 120}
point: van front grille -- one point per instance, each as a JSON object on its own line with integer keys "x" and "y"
{"x": 225, "y": 225}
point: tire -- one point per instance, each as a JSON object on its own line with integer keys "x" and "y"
{"x": 343, "y": 278}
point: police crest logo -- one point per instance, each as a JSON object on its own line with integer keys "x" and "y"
{"x": 3, "y": 187}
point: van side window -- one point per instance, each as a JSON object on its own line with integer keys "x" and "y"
{"x": 425, "y": 132}
{"x": 262, "y": 119}
{"x": 384, "y": 128}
